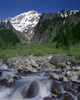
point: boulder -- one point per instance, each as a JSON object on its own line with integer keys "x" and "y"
{"x": 7, "y": 81}
{"x": 10, "y": 82}
{"x": 65, "y": 79}
{"x": 58, "y": 60}
{"x": 67, "y": 96}
{"x": 67, "y": 86}
{"x": 60, "y": 95}
{"x": 68, "y": 73}
{"x": 33, "y": 70}
{"x": 47, "y": 67}
{"x": 13, "y": 61}
{"x": 74, "y": 86}
{"x": 56, "y": 88}
{"x": 49, "y": 98}
{"x": 28, "y": 62}
{"x": 32, "y": 90}
{"x": 17, "y": 77}
{"x": 3, "y": 81}
{"x": 78, "y": 96}
{"x": 61, "y": 64}
{"x": 74, "y": 77}
{"x": 32, "y": 63}
{"x": 54, "y": 77}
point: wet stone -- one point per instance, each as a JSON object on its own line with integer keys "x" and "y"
{"x": 67, "y": 86}
{"x": 47, "y": 74}
{"x": 59, "y": 96}
{"x": 17, "y": 77}
{"x": 10, "y": 82}
{"x": 54, "y": 77}
{"x": 78, "y": 96}
{"x": 67, "y": 96}
{"x": 3, "y": 81}
{"x": 56, "y": 88}
{"x": 49, "y": 98}
{"x": 75, "y": 86}
{"x": 27, "y": 72}
{"x": 32, "y": 90}
{"x": 78, "y": 88}
{"x": 19, "y": 70}
{"x": 0, "y": 73}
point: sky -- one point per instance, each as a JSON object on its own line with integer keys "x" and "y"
{"x": 11, "y": 8}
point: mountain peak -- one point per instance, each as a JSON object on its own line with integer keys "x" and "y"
{"x": 25, "y": 20}
{"x": 32, "y": 12}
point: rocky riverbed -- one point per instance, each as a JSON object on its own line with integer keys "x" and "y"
{"x": 52, "y": 77}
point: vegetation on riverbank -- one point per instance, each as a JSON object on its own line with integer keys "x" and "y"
{"x": 34, "y": 49}
{"x": 38, "y": 50}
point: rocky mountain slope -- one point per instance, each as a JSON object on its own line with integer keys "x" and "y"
{"x": 32, "y": 26}
{"x": 23, "y": 24}
{"x": 62, "y": 27}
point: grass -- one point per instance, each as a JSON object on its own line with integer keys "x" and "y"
{"x": 35, "y": 49}
{"x": 75, "y": 51}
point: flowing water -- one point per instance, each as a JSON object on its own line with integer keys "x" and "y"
{"x": 18, "y": 90}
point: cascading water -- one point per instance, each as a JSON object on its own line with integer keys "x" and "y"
{"x": 18, "y": 89}
{"x": 22, "y": 85}
{"x": 44, "y": 88}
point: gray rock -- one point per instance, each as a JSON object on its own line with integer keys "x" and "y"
{"x": 58, "y": 60}
{"x": 47, "y": 67}
{"x": 65, "y": 79}
{"x": 61, "y": 64}
{"x": 32, "y": 63}
{"x": 10, "y": 82}
{"x": 54, "y": 77}
{"x": 74, "y": 77}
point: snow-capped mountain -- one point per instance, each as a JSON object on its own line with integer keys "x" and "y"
{"x": 30, "y": 19}
{"x": 66, "y": 13}
{"x": 62, "y": 13}
{"x": 23, "y": 21}
{"x": 24, "y": 25}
